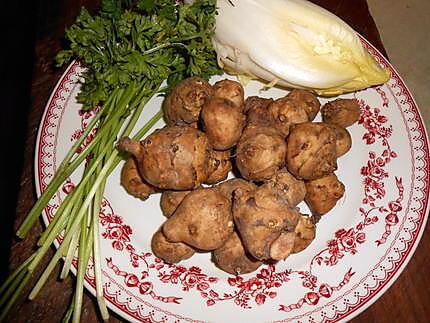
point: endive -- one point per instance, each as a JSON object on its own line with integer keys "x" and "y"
{"x": 293, "y": 43}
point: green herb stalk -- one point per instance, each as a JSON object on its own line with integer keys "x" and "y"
{"x": 131, "y": 51}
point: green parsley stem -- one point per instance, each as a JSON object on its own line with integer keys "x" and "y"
{"x": 12, "y": 277}
{"x": 96, "y": 253}
{"x": 52, "y": 235}
{"x": 16, "y": 287}
{"x": 66, "y": 168}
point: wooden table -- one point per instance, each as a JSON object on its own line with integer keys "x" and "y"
{"x": 405, "y": 301}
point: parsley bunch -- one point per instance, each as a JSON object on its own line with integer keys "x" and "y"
{"x": 150, "y": 41}
{"x": 131, "y": 50}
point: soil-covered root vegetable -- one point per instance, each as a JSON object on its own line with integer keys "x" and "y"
{"x": 306, "y": 101}
{"x": 256, "y": 109}
{"x": 230, "y": 90}
{"x": 223, "y": 122}
{"x": 305, "y": 232}
{"x": 174, "y": 158}
{"x": 170, "y": 252}
{"x": 343, "y": 139}
{"x": 311, "y": 150}
{"x": 285, "y": 112}
{"x": 219, "y": 166}
{"x": 260, "y": 153}
{"x": 228, "y": 187}
{"x": 323, "y": 193}
{"x": 184, "y": 102}
{"x": 133, "y": 183}
{"x": 283, "y": 246}
{"x": 203, "y": 220}
{"x": 233, "y": 258}
{"x": 343, "y": 112}
{"x": 265, "y": 223}
{"x": 170, "y": 201}
{"x": 286, "y": 186}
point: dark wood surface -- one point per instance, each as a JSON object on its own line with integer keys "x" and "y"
{"x": 406, "y": 301}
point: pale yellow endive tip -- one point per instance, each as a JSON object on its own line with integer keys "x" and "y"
{"x": 296, "y": 43}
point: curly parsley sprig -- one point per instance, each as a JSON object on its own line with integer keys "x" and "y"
{"x": 150, "y": 42}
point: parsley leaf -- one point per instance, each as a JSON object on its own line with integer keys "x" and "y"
{"x": 146, "y": 41}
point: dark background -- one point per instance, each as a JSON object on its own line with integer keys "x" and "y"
{"x": 24, "y": 23}
{"x": 17, "y": 45}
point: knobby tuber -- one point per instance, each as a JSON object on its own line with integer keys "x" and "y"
{"x": 323, "y": 193}
{"x": 170, "y": 200}
{"x": 202, "y": 220}
{"x": 343, "y": 112}
{"x": 265, "y": 223}
{"x": 184, "y": 102}
{"x": 285, "y": 113}
{"x": 223, "y": 122}
{"x": 219, "y": 166}
{"x": 256, "y": 109}
{"x": 174, "y": 158}
{"x": 233, "y": 258}
{"x": 305, "y": 233}
{"x": 228, "y": 187}
{"x": 306, "y": 101}
{"x": 170, "y": 252}
{"x": 287, "y": 187}
{"x": 311, "y": 150}
{"x": 230, "y": 90}
{"x": 343, "y": 139}
{"x": 133, "y": 183}
{"x": 260, "y": 153}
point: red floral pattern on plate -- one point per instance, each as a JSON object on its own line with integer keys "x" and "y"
{"x": 347, "y": 241}
{"x": 86, "y": 116}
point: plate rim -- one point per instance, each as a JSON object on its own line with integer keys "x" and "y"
{"x": 352, "y": 310}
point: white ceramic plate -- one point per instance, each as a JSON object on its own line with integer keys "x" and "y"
{"x": 361, "y": 247}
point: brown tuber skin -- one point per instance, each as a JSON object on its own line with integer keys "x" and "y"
{"x": 203, "y": 220}
{"x": 170, "y": 201}
{"x": 265, "y": 223}
{"x": 256, "y": 103}
{"x": 133, "y": 182}
{"x": 285, "y": 112}
{"x": 282, "y": 247}
{"x": 223, "y": 123}
{"x": 174, "y": 158}
{"x": 230, "y": 90}
{"x": 306, "y": 101}
{"x": 289, "y": 188}
{"x": 219, "y": 166}
{"x": 305, "y": 233}
{"x": 170, "y": 252}
{"x": 185, "y": 101}
{"x": 323, "y": 193}
{"x": 343, "y": 139}
{"x": 233, "y": 258}
{"x": 257, "y": 111}
{"x": 343, "y": 112}
{"x": 228, "y": 187}
{"x": 260, "y": 153}
{"x": 311, "y": 150}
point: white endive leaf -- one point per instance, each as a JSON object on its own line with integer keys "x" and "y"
{"x": 296, "y": 43}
